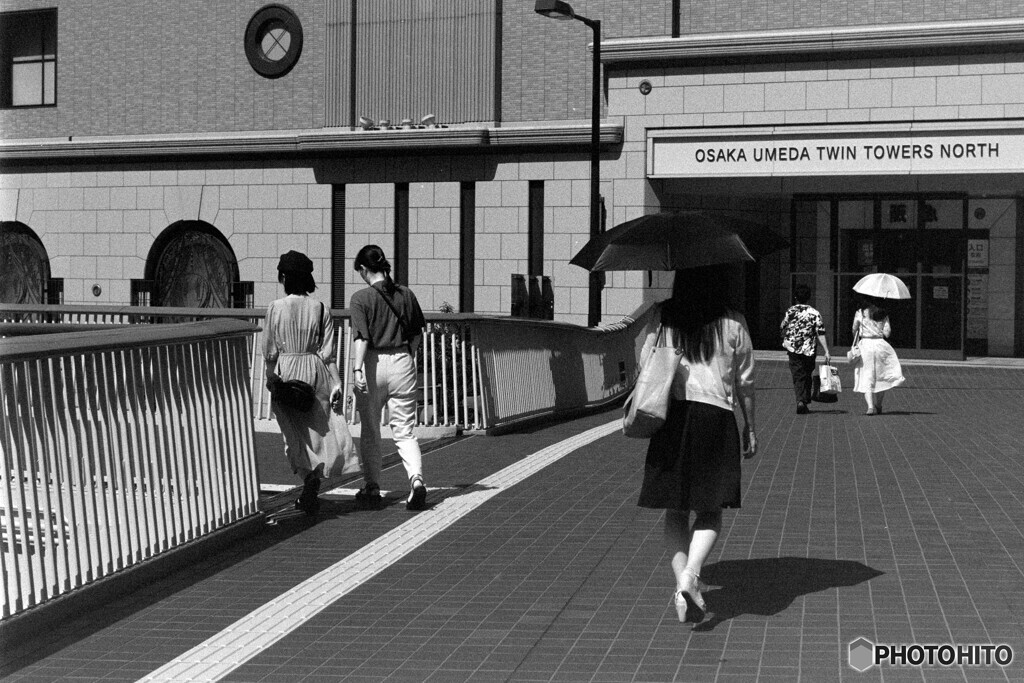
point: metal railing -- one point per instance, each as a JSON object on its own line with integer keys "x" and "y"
{"x": 118, "y": 445}
{"x": 476, "y": 372}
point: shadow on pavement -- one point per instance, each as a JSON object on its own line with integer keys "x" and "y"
{"x": 767, "y": 586}
{"x": 137, "y": 596}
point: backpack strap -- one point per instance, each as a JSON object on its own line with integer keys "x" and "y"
{"x": 401, "y": 318}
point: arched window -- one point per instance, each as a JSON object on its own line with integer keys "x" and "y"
{"x": 25, "y": 268}
{"x": 191, "y": 265}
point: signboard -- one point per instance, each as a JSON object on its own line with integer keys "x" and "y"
{"x": 977, "y": 253}
{"x": 940, "y": 292}
{"x": 898, "y": 153}
{"x": 977, "y": 306}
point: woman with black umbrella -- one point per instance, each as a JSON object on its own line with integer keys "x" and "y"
{"x": 693, "y": 462}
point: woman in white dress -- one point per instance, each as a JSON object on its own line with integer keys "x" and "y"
{"x": 298, "y": 343}
{"x": 879, "y": 369}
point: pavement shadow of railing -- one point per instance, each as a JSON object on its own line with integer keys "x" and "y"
{"x": 768, "y": 586}
{"x": 141, "y": 593}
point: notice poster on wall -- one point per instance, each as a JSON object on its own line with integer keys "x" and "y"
{"x": 977, "y": 306}
{"x": 977, "y": 253}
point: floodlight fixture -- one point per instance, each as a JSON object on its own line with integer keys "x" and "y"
{"x": 554, "y": 9}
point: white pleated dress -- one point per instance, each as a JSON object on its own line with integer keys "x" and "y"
{"x": 299, "y": 333}
{"x": 879, "y": 368}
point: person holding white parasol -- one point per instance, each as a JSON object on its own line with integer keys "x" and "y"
{"x": 878, "y": 368}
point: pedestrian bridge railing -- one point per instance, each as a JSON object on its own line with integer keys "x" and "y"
{"x": 476, "y": 372}
{"x": 117, "y": 445}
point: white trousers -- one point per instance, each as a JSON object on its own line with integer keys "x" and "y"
{"x": 391, "y": 381}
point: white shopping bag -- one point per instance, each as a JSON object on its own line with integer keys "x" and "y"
{"x": 829, "y": 378}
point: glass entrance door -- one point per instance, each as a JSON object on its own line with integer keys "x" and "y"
{"x": 920, "y": 239}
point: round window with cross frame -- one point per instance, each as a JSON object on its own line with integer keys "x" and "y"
{"x": 273, "y": 41}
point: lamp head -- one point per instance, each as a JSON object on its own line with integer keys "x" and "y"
{"x": 365, "y": 123}
{"x": 384, "y": 123}
{"x": 554, "y": 9}
{"x": 428, "y": 120}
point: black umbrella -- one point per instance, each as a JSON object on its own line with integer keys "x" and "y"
{"x": 676, "y": 240}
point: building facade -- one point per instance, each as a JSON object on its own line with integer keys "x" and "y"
{"x": 168, "y": 154}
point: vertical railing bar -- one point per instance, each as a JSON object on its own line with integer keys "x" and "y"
{"x": 246, "y": 448}
{"x": 190, "y": 437}
{"x": 12, "y": 484}
{"x": 48, "y": 548}
{"x": 442, "y": 342}
{"x": 203, "y": 371}
{"x": 117, "y": 379}
{"x": 235, "y": 455}
{"x": 421, "y": 366}
{"x": 114, "y": 451}
{"x": 195, "y": 438}
{"x": 208, "y": 395}
{"x": 473, "y": 358}
{"x": 456, "y": 399}
{"x": 152, "y": 482}
{"x": 463, "y": 330}
{"x": 30, "y": 513}
{"x": 101, "y": 479}
{"x": 432, "y": 365}
{"x": 164, "y": 447}
{"x": 259, "y": 392}
{"x": 245, "y": 453}
{"x": 73, "y": 466}
{"x": 168, "y": 415}
{"x": 227, "y": 455}
{"x": 181, "y": 437}
{"x": 90, "y": 497}
{"x": 99, "y": 405}
{"x": 65, "y": 510}
{"x": 480, "y": 388}
{"x": 106, "y": 392}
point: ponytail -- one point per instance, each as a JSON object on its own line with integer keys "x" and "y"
{"x": 372, "y": 258}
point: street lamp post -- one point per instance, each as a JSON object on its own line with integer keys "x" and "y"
{"x": 556, "y": 9}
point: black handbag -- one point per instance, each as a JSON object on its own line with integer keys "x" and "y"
{"x": 295, "y": 394}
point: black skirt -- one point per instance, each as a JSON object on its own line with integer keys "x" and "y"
{"x": 693, "y": 462}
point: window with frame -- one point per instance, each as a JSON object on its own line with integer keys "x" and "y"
{"x": 29, "y": 58}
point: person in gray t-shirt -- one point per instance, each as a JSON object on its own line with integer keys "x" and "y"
{"x": 387, "y": 327}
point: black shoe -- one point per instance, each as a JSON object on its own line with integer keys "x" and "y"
{"x": 308, "y": 501}
{"x": 417, "y": 495}
{"x": 310, "y": 507}
{"x": 369, "y": 497}
{"x": 801, "y": 408}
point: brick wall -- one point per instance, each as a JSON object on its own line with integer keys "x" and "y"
{"x": 169, "y": 67}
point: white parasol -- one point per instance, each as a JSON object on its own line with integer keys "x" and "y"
{"x": 882, "y": 286}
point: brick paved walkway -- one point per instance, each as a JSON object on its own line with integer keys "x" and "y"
{"x": 900, "y": 528}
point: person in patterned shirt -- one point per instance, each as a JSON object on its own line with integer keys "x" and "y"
{"x": 802, "y": 329}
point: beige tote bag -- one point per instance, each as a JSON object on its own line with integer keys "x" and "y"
{"x": 646, "y": 408}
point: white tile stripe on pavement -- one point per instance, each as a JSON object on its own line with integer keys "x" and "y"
{"x": 252, "y": 634}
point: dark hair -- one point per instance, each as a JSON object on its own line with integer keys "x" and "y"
{"x": 802, "y": 293}
{"x": 875, "y": 312}
{"x": 695, "y": 311}
{"x": 296, "y": 282}
{"x": 372, "y": 258}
